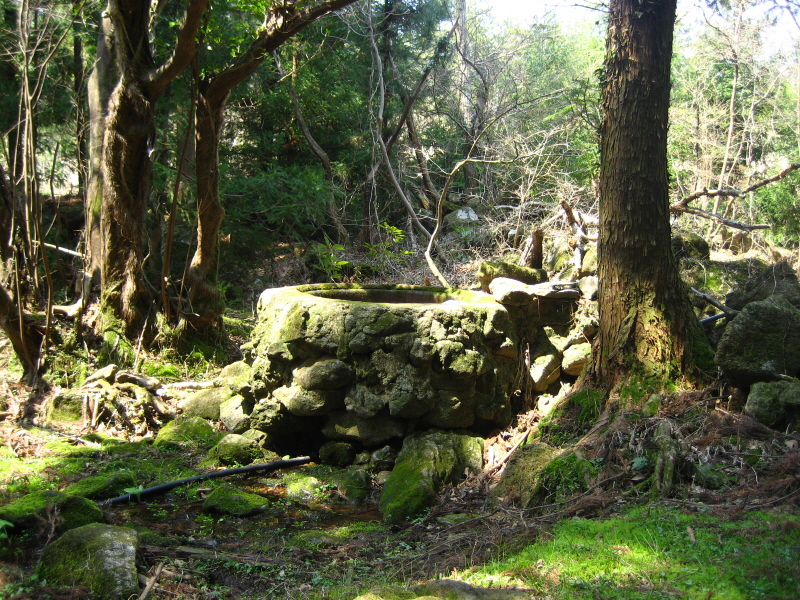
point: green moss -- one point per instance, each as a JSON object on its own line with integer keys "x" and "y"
{"x": 187, "y": 431}
{"x": 700, "y": 351}
{"x": 573, "y": 416}
{"x": 646, "y": 553}
{"x": 323, "y": 483}
{"x": 29, "y": 511}
{"x": 637, "y": 389}
{"x": 101, "y": 487}
{"x": 115, "y": 348}
{"x": 64, "y": 562}
{"x": 229, "y": 500}
{"x": 564, "y": 476}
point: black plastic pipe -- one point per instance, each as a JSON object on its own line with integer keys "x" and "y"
{"x": 165, "y": 487}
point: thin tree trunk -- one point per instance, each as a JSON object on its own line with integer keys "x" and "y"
{"x": 99, "y": 88}
{"x": 206, "y": 300}
{"x": 25, "y": 336}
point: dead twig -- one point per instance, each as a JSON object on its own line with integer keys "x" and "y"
{"x": 151, "y": 582}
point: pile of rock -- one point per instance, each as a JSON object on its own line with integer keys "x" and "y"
{"x": 759, "y": 352}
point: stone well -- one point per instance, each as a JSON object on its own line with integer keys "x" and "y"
{"x": 368, "y": 363}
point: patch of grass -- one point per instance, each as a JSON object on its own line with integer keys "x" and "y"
{"x": 659, "y": 552}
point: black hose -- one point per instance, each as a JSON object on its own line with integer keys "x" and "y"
{"x": 165, "y": 487}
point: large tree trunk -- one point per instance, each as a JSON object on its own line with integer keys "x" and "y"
{"x": 127, "y": 171}
{"x": 647, "y": 327}
{"x": 128, "y": 144}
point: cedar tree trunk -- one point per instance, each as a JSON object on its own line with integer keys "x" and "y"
{"x": 647, "y": 327}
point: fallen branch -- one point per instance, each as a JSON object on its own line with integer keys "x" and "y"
{"x": 151, "y": 582}
{"x": 730, "y": 192}
{"x": 680, "y": 208}
{"x": 726, "y": 309}
{"x": 166, "y": 487}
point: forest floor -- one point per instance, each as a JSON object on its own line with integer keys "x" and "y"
{"x": 740, "y": 541}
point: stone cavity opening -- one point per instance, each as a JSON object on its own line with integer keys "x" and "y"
{"x": 381, "y": 295}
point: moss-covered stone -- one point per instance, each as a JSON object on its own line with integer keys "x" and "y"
{"x": 102, "y": 487}
{"x": 338, "y": 454}
{"x": 521, "y": 479}
{"x": 236, "y": 376}
{"x": 688, "y": 244}
{"x": 322, "y": 483}
{"x": 775, "y": 403}
{"x": 235, "y": 449}
{"x": 65, "y": 405}
{"x": 235, "y": 414}
{"x": 426, "y": 462}
{"x": 488, "y": 271}
{"x": 761, "y": 342}
{"x": 67, "y": 511}
{"x": 186, "y": 431}
{"x": 101, "y": 557}
{"x": 206, "y": 403}
{"x": 229, "y": 500}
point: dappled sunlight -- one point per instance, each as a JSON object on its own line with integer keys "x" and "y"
{"x": 654, "y": 551}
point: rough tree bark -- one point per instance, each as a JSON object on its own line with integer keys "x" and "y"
{"x": 647, "y": 327}
{"x": 283, "y": 21}
{"x": 128, "y": 143}
{"x": 99, "y": 88}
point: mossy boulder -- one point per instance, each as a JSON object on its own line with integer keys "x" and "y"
{"x": 101, "y": 557}
{"x": 338, "y": 454}
{"x": 761, "y": 342}
{"x": 186, "y": 431}
{"x": 490, "y": 270}
{"x": 712, "y": 476}
{"x": 229, "y": 500}
{"x": 102, "y": 487}
{"x": 324, "y": 374}
{"x": 575, "y": 358}
{"x": 688, "y": 244}
{"x": 235, "y": 414}
{"x": 206, "y": 403}
{"x": 322, "y": 483}
{"x": 235, "y": 449}
{"x": 520, "y": 482}
{"x": 427, "y": 462}
{"x": 65, "y": 405}
{"x": 775, "y": 403}
{"x": 69, "y": 511}
{"x": 236, "y": 376}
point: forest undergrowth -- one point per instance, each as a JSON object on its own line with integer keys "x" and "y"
{"x": 615, "y": 538}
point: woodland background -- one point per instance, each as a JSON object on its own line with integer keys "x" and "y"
{"x": 333, "y": 139}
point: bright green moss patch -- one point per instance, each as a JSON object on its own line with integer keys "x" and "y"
{"x": 649, "y": 552}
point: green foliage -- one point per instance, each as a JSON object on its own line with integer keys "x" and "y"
{"x": 383, "y": 251}
{"x": 324, "y": 258}
{"x": 780, "y": 205}
{"x": 291, "y": 201}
